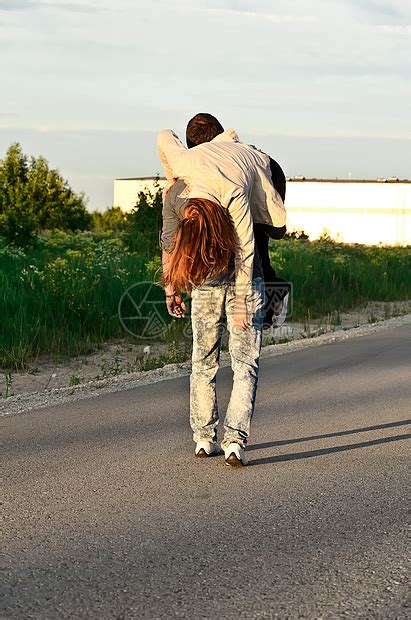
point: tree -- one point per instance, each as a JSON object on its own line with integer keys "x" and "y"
{"x": 143, "y": 225}
{"x": 14, "y": 175}
{"x": 34, "y": 196}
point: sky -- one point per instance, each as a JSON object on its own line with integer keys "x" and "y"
{"x": 323, "y": 86}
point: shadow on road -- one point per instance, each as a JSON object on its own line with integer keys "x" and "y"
{"x": 323, "y": 451}
{"x": 284, "y": 442}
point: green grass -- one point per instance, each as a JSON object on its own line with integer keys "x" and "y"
{"x": 329, "y": 277}
{"x": 61, "y": 298}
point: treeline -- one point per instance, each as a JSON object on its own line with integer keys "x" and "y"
{"x": 36, "y": 200}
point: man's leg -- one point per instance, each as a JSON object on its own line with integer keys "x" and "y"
{"x": 208, "y": 324}
{"x": 245, "y": 348}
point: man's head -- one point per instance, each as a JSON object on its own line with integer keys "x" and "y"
{"x": 201, "y": 128}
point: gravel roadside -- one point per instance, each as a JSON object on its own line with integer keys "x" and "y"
{"x": 23, "y": 403}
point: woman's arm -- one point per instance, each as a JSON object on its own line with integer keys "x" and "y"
{"x": 174, "y": 300}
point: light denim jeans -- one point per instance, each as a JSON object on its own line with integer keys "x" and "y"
{"x": 212, "y": 312}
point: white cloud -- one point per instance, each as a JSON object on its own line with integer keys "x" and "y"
{"x": 276, "y": 18}
{"x": 15, "y": 5}
{"x": 395, "y": 9}
{"x": 394, "y": 28}
{"x": 324, "y": 68}
{"x": 78, "y": 6}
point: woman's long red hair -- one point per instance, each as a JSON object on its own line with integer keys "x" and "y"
{"x": 204, "y": 240}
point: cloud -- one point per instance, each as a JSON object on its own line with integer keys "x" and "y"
{"x": 19, "y": 5}
{"x": 75, "y": 7}
{"x": 16, "y": 5}
{"x": 276, "y": 18}
{"x": 396, "y": 11}
{"x": 394, "y": 28}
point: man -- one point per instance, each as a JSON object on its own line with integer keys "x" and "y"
{"x": 212, "y": 304}
{"x": 204, "y": 128}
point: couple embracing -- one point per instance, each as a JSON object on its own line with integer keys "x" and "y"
{"x": 222, "y": 202}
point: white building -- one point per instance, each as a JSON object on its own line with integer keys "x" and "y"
{"x": 368, "y": 212}
{"x": 126, "y": 191}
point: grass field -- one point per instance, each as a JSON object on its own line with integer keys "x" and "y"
{"x": 62, "y": 297}
{"x": 330, "y": 276}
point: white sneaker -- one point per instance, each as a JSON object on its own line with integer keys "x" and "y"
{"x": 205, "y": 449}
{"x": 234, "y": 455}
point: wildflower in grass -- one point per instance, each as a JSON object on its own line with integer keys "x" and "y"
{"x": 154, "y": 268}
{"x": 9, "y": 251}
{"x": 278, "y": 260}
{"x": 74, "y": 254}
{"x": 340, "y": 260}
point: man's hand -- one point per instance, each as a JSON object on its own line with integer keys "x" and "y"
{"x": 240, "y": 314}
{"x": 175, "y": 305}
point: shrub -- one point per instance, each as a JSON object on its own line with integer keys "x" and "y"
{"x": 18, "y": 228}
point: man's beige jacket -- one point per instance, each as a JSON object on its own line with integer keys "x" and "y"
{"x": 237, "y": 176}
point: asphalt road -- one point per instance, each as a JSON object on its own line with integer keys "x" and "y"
{"x": 108, "y": 514}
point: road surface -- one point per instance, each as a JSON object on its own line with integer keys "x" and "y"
{"x": 108, "y": 514}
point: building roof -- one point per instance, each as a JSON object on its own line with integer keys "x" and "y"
{"x": 300, "y": 179}
{"x": 380, "y": 180}
{"x": 156, "y": 178}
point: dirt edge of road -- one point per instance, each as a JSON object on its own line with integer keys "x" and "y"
{"x": 25, "y": 403}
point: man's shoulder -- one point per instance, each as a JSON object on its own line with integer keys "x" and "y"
{"x": 256, "y": 151}
{"x": 237, "y": 149}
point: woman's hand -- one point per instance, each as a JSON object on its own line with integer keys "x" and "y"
{"x": 175, "y": 305}
{"x": 240, "y": 314}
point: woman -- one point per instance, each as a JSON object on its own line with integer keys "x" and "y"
{"x": 199, "y": 260}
